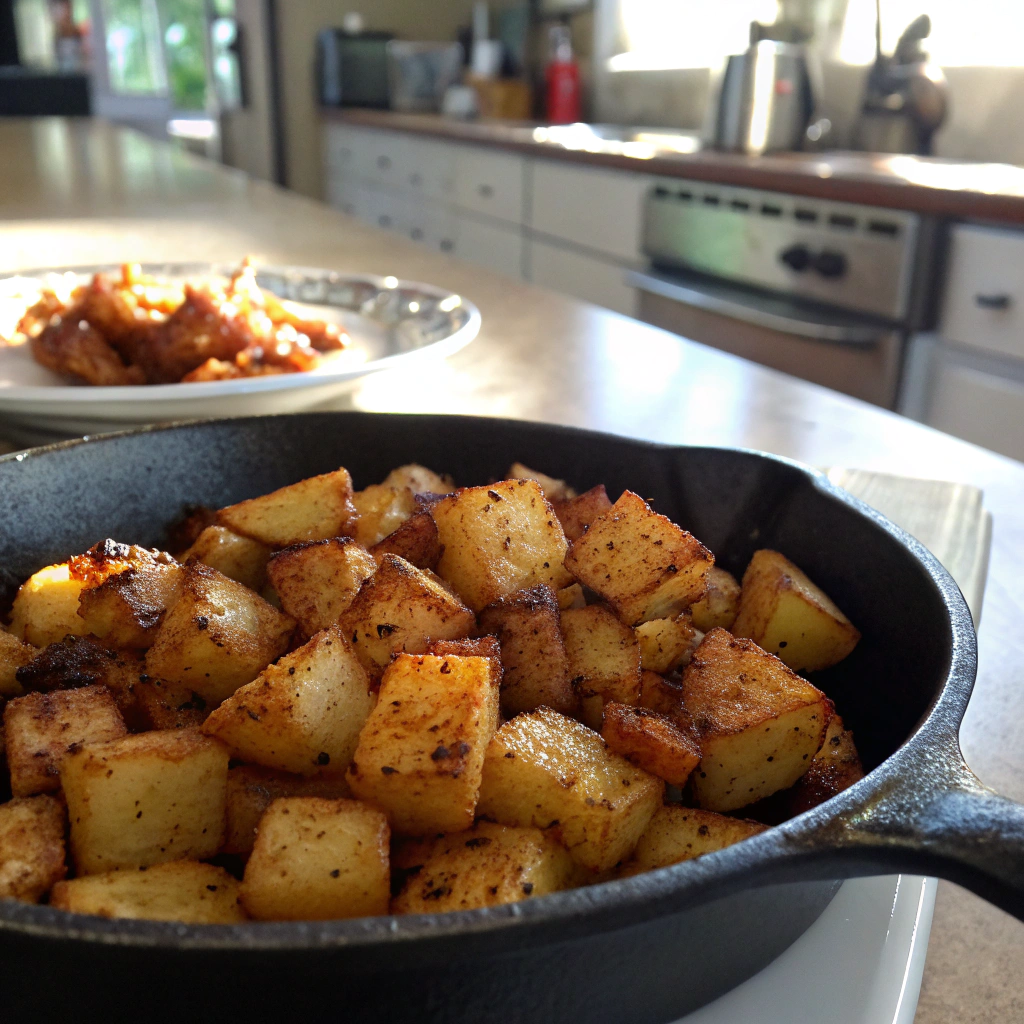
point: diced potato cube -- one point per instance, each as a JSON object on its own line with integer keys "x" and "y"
{"x": 835, "y": 767}
{"x": 316, "y": 582}
{"x": 571, "y": 596}
{"x": 535, "y": 667}
{"x": 45, "y": 608}
{"x": 31, "y": 847}
{"x": 783, "y": 612}
{"x": 252, "y": 789}
{"x": 549, "y": 771}
{"x": 182, "y": 890}
{"x": 415, "y": 540}
{"x": 661, "y": 695}
{"x": 484, "y": 867}
{"x": 720, "y": 604}
{"x": 302, "y": 714}
{"x": 239, "y": 558}
{"x": 576, "y": 514}
{"x": 380, "y": 511}
{"x": 145, "y": 799}
{"x": 478, "y": 647}
{"x": 81, "y": 661}
{"x": 758, "y": 723}
{"x": 682, "y": 833}
{"x": 651, "y": 741}
{"x": 421, "y": 752}
{"x": 419, "y": 480}
{"x": 126, "y": 609}
{"x": 667, "y": 644}
{"x": 316, "y": 508}
{"x": 641, "y": 563}
{"x": 218, "y": 636}
{"x": 499, "y": 539}
{"x": 402, "y": 608}
{"x": 162, "y": 705}
{"x": 13, "y": 654}
{"x": 41, "y": 729}
{"x": 317, "y": 860}
{"x": 554, "y": 490}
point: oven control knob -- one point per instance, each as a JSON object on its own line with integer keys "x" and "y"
{"x": 796, "y": 257}
{"x": 830, "y": 264}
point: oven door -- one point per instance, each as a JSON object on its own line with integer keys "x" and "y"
{"x": 857, "y": 355}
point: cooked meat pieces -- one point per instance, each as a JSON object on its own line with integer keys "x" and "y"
{"x": 76, "y": 349}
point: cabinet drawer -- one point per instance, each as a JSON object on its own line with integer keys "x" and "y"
{"x": 983, "y": 303}
{"x": 431, "y": 169}
{"x": 583, "y": 277}
{"x": 489, "y": 183}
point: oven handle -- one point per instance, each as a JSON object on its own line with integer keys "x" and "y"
{"x": 857, "y": 335}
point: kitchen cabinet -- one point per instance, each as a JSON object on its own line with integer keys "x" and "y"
{"x": 580, "y": 275}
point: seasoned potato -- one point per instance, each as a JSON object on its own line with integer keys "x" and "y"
{"x": 158, "y": 704}
{"x": 317, "y": 508}
{"x": 571, "y": 596}
{"x": 302, "y": 714}
{"x": 239, "y": 558}
{"x": 549, "y": 771}
{"x": 681, "y": 833}
{"x": 420, "y": 755}
{"x": 783, "y": 612}
{"x": 82, "y": 661}
{"x": 720, "y": 604}
{"x": 535, "y": 667}
{"x": 483, "y": 867}
{"x": 662, "y": 695}
{"x": 45, "y": 608}
{"x": 419, "y": 480}
{"x": 316, "y": 582}
{"x": 402, "y": 608}
{"x": 554, "y": 490}
{"x": 31, "y": 847}
{"x": 641, "y": 563}
{"x": 145, "y": 799}
{"x": 415, "y": 540}
{"x": 834, "y": 768}
{"x": 316, "y": 860}
{"x": 758, "y": 723}
{"x": 218, "y": 636}
{"x": 651, "y": 741}
{"x": 478, "y": 647}
{"x": 380, "y": 510}
{"x": 41, "y": 729}
{"x": 13, "y": 654}
{"x": 499, "y": 539}
{"x": 182, "y": 890}
{"x": 667, "y": 644}
{"x": 576, "y": 514}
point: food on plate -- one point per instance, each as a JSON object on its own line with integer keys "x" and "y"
{"x": 127, "y": 328}
{"x": 415, "y": 698}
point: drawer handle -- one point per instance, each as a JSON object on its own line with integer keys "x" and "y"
{"x": 992, "y": 301}
{"x": 349, "y": 208}
{"x": 486, "y": 191}
{"x": 447, "y": 245}
{"x": 416, "y": 234}
{"x": 415, "y": 180}
{"x": 384, "y": 220}
{"x": 383, "y": 162}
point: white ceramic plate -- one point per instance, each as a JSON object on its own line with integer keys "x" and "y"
{"x": 390, "y": 322}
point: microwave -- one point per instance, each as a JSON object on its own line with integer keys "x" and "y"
{"x": 352, "y": 68}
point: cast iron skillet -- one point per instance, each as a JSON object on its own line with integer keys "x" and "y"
{"x": 649, "y": 948}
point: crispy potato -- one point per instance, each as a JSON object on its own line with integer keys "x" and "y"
{"x": 162, "y": 705}
{"x": 783, "y": 612}
{"x": 317, "y": 508}
{"x": 13, "y": 654}
{"x": 549, "y": 771}
{"x": 484, "y": 867}
{"x": 181, "y": 890}
{"x": 316, "y": 582}
{"x": 419, "y": 480}
{"x": 682, "y": 833}
{"x": 651, "y": 741}
{"x": 415, "y": 540}
{"x": 477, "y": 647}
{"x": 219, "y": 636}
{"x": 421, "y": 752}
{"x": 145, "y": 799}
{"x": 380, "y": 510}
{"x": 45, "y": 608}
{"x": 252, "y": 789}
{"x": 534, "y": 663}
{"x": 576, "y": 514}
{"x": 302, "y": 714}
{"x": 82, "y": 661}
{"x": 661, "y": 695}
{"x": 499, "y": 539}
{"x": 835, "y": 767}
{"x": 720, "y": 604}
{"x": 667, "y": 644}
{"x": 554, "y": 490}
{"x": 641, "y": 563}
{"x": 41, "y": 729}
{"x": 126, "y": 608}
{"x": 402, "y": 608}
{"x": 239, "y": 558}
{"x": 31, "y": 847}
{"x": 571, "y": 596}
{"x": 758, "y": 723}
{"x": 316, "y": 860}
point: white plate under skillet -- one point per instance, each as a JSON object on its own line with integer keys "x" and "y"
{"x": 390, "y": 323}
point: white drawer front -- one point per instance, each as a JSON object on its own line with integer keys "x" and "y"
{"x": 431, "y": 169}
{"x": 493, "y": 246}
{"x": 983, "y": 302}
{"x": 489, "y": 183}
{"x": 583, "y": 277}
{"x": 591, "y": 207}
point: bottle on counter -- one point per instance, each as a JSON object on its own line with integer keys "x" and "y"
{"x": 563, "y": 79}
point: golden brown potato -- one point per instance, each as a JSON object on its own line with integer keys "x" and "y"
{"x": 554, "y": 490}
{"x": 41, "y": 729}
{"x": 499, "y": 539}
{"x": 380, "y": 510}
{"x": 239, "y": 558}
{"x": 161, "y": 705}
{"x": 641, "y": 563}
{"x": 667, "y": 644}
{"x": 783, "y": 612}
{"x": 650, "y": 741}
{"x": 145, "y": 799}
{"x": 415, "y": 540}
{"x": 31, "y": 847}
{"x": 720, "y": 604}
{"x": 302, "y": 714}
{"x": 483, "y": 867}
{"x": 535, "y": 667}
{"x": 421, "y": 752}
{"x": 477, "y": 647}
{"x": 182, "y": 890}
{"x": 662, "y": 695}
{"x": 835, "y": 767}
{"x": 316, "y": 860}
{"x": 45, "y": 608}
{"x": 548, "y": 771}
{"x": 571, "y": 596}
{"x": 13, "y": 654}
{"x": 576, "y": 514}
{"x": 317, "y": 508}
{"x": 419, "y": 480}
{"x": 758, "y": 723}
{"x": 82, "y": 661}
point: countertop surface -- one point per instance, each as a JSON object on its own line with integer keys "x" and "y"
{"x": 81, "y": 191}
{"x": 927, "y": 185}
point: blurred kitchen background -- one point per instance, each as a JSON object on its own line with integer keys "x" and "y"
{"x": 829, "y": 187}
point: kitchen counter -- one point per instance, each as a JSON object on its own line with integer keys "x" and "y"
{"x": 82, "y": 191}
{"x": 926, "y": 185}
